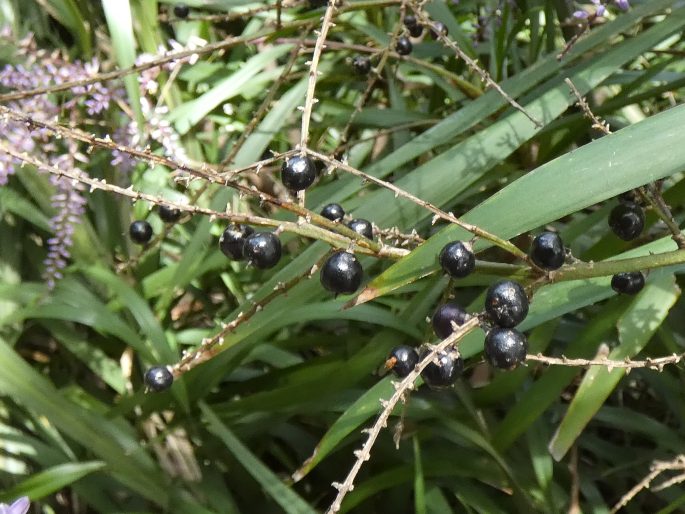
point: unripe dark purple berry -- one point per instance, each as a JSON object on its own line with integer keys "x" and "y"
{"x": 443, "y": 370}
{"x": 233, "y": 239}
{"x": 627, "y": 220}
{"x": 630, "y": 282}
{"x": 402, "y": 360}
{"x": 547, "y": 251}
{"x": 444, "y": 316}
{"x": 506, "y": 303}
{"x": 158, "y": 379}
{"x": 457, "y": 260}
{"x": 262, "y": 249}
{"x": 505, "y": 348}
{"x": 341, "y": 273}
{"x": 140, "y": 232}
{"x": 298, "y": 173}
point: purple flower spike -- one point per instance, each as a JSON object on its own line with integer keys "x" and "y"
{"x": 20, "y": 506}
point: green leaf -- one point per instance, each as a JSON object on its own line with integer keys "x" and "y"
{"x": 288, "y": 499}
{"x": 635, "y": 328}
{"x": 120, "y": 23}
{"x": 51, "y": 480}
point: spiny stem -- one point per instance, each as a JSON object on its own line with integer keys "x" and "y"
{"x": 212, "y": 346}
{"x": 401, "y": 389}
{"x": 657, "y": 363}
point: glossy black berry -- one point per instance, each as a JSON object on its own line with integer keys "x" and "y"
{"x": 415, "y": 31}
{"x": 362, "y": 227}
{"x": 158, "y": 379}
{"x": 506, "y": 303}
{"x": 333, "y": 212}
{"x": 181, "y": 10}
{"x": 341, "y": 273}
{"x": 361, "y": 65}
{"x": 402, "y": 360}
{"x": 438, "y": 27}
{"x": 547, "y": 251}
{"x": 262, "y": 249}
{"x": 140, "y": 232}
{"x": 403, "y": 46}
{"x": 443, "y": 370}
{"x": 627, "y": 220}
{"x": 410, "y": 21}
{"x": 298, "y": 173}
{"x": 457, "y": 260}
{"x": 505, "y": 348}
{"x": 444, "y": 316}
{"x": 630, "y": 282}
{"x": 169, "y": 214}
{"x": 232, "y": 240}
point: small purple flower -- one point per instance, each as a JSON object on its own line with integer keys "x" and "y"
{"x": 624, "y": 5}
{"x": 601, "y": 10}
{"x": 20, "y": 506}
{"x": 581, "y": 15}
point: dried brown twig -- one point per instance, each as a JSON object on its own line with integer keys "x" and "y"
{"x": 649, "y": 363}
{"x": 656, "y": 469}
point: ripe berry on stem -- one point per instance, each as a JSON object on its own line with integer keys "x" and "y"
{"x": 437, "y": 28}
{"x": 547, "y": 251}
{"x": 457, "y": 260}
{"x": 341, "y": 273}
{"x": 403, "y": 46}
{"x": 262, "y": 249}
{"x": 158, "y": 379}
{"x": 361, "y": 64}
{"x": 444, "y": 316}
{"x": 362, "y": 227}
{"x": 410, "y": 21}
{"x": 333, "y": 212}
{"x": 415, "y": 31}
{"x": 505, "y": 348}
{"x": 298, "y": 172}
{"x": 232, "y": 240}
{"x": 506, "y": 303}
{"x": 443, "y": 370}
{"x": 169, "y": 214}
{"x": 630, "y": 282}
{"x": 140, "y": 232}
{"x": 181, "y": 11}
{"x": 402, "y": 360}
{"x": 627, "y": 220}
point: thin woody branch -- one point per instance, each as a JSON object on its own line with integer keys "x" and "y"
{"x": 407, "y": 384}
{"x": 657, "y": 364}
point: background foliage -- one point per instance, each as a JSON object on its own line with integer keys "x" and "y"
{"x": 272, "y": 420}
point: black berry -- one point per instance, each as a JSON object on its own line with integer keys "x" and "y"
{"x": 444, "y": 316}
{"x": 438, "y": 27}
{"x": 169, "y": 214}
{"x": 457, "y": 260}
{"x": 361, "y": 227}
{"x": 410, "y": 21}
{"x": 443, "y": 370}
{"x": 333, "y": 212}
{"x": 140, "y": 232}
{"x": 181, "y": 10}
{"x": 361, "y": 65}
{"x": 298, "y": 173}
{"x": 262, "y": 249}
{"x": 158, "y": 379}
{"x": 627, "y": 220}
{"x": 547, "y": 251}
{"x": 232, "y": 240}
{"x": 506, "y": 303}
{"x": 403, "y": 46}
{"x": 415, "y": 31}
{"x": 341, "y": 273}
{"x": 402, "y": 360}
{"x": 505, "y": 348}
{"x": 630, "y": 282}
